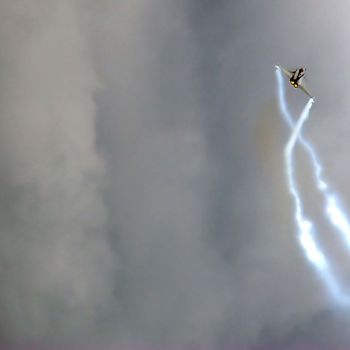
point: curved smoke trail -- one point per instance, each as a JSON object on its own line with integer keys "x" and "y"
{"x": 305, "y": 226}
{"x": 306, "y": 236}
{"x": 332, "y": 208}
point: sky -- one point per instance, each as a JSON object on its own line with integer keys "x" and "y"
{"x": 143, "y": 194}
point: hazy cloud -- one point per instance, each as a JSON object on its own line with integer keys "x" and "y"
{"x": 143, "y": 196}
{"x": 54, "y": 250}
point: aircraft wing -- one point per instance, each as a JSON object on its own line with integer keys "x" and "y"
{"x": 285, "y": 71}
{"x": 303, "y": 88}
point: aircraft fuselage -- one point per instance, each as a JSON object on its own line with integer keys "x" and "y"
{"x": 297, "y": 77}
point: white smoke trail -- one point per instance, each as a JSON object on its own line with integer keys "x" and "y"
{"x": 305, "y": 227}
{"x": 332, "y": 208}
{"x": 306, "y": 234}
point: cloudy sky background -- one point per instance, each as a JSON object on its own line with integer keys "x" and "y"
{"x": 143, "y": 197}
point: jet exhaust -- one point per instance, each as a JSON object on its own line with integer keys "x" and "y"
{"x": 332, "y": 207}
{"x": 306, "y": 230}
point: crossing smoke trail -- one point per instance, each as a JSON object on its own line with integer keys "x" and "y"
{"x": 332, "y": 207}
{"x": 306, "y": 235}
{"x": 305, "y": 227}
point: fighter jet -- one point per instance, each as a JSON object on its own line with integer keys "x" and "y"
{"x": 296, "y": 78}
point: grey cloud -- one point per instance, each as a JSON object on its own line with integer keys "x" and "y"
{"x": 56, "y": 265}
{"x": 143, "y": 193}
